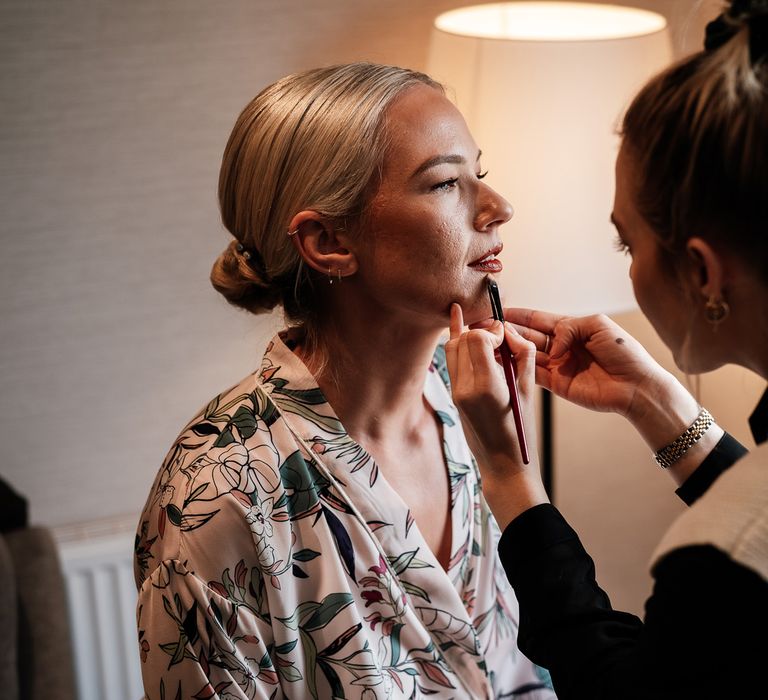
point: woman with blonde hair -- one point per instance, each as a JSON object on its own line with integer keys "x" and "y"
{"x": 691, "y": 208}
{"x": 317, "y": 530}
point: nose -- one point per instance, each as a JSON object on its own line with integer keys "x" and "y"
{"x": 492, "y": 209}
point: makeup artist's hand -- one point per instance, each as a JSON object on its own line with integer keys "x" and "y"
{"x": 590, "y": 361}
{"x": 481, "y": 395}
{"x": 593, "y": 362}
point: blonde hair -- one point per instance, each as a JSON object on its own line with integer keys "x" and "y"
{"x": 698, "y": 136}
{"x": 312, "y": 140}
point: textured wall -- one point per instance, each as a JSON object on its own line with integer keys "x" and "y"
{"x": 113, "y": 117}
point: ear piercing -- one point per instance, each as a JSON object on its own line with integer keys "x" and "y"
{"x": 716, "y": 310}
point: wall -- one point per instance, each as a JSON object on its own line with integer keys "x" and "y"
{"x": 114, "y": 116}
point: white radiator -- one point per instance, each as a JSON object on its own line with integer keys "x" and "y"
{"x": 98, "y": 570}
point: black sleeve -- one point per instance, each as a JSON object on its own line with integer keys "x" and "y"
{"x": 727, "y": 451}
{"x": 697, "y": 620}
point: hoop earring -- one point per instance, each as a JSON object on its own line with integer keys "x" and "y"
{"x": 716, "y": 310}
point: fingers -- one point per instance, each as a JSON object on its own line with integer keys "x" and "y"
{"x": 524, "y": 351}
{"x": 541, "y": 321}
{"x": 542, "y": 341}
{"x": 457, "y": 321}
{"x": 535, "y": 326}
{"x": 480, "y": 346}
{"x": 458, "y": 352}
{"x": 555, "y": 334}
{"x": 470, "y": 357}
{"x": 571, "y": 332}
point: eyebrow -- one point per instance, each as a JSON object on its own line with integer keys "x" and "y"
{"x": 438, "y": 160}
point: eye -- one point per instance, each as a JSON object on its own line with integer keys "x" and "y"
{"x": 445, "y": 184}
{"x": 621, "y": 245}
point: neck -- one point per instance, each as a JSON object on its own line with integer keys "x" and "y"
{"x": 374, "y": 376}
{"x": 744, "y": 336}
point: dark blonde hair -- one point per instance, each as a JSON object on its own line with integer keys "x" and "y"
{"x": 698, "y": 136}
{"x": 312, "y": 140}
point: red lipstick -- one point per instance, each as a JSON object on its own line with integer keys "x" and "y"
{"x": 489, "y": 262}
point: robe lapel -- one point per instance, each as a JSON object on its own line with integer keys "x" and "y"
{"x": 435, "y": 595}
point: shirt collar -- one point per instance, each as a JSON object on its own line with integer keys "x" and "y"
{"x": 758, "y": 421}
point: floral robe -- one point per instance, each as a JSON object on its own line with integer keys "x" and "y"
{"x": 273, "y": 560}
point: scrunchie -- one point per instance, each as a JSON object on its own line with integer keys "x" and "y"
{"x": 724, "y": 27}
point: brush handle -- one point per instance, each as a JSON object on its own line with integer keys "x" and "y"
{"x": 510, "y": 370}
{"x": 510, "y": 374}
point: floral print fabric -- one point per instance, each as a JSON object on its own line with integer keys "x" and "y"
{"x": 273, "y": 560}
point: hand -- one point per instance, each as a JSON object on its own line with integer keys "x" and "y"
{"x": 591, "y": 361}
{"x": 595, "y": 363}
{"x": 481, "y": 395}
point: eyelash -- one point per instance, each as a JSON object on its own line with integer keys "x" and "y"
{"x": 621, "y": 245}
{"x": 448, "y": 184}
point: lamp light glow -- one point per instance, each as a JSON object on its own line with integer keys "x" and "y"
{"x": 550, "y": 21}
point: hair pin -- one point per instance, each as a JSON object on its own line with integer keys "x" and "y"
{"x": 243, "y": 251}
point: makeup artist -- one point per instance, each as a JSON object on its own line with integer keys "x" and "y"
{"x": 691, "y": 209}
{"x": 317, "y": 530}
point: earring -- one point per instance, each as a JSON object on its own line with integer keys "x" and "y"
{"x": 716, "y": 310}
{"x": 330, "y": 279}
{"x": 338, "y": 272}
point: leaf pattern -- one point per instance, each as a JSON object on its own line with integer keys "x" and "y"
{"x": 273, "y": 560}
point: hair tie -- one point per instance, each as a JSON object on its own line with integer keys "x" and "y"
{"x": 725, "y": 26}
{"x": 254, "y": 260}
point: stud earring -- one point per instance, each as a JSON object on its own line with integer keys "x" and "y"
{"x": 716, "y": 310}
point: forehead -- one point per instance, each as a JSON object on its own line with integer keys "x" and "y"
{"x": 625, "y": 207}
{"x": 625, "y": 180}
{"x": 422, "y": 123}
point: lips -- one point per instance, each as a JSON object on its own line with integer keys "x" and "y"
{"x": 489, "y": 262}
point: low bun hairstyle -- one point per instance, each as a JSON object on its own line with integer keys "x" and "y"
{"x": 312, "y": 140}
{"x": 698, "y": 137}
{"x": 235, "y": 277}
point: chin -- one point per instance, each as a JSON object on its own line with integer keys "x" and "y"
{"x": 475, "y": 312}
{"x": 475, "y": 305}
{"x": 695, "y": 364}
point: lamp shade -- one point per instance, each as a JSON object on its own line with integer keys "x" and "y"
{"x": 543, "y": 86}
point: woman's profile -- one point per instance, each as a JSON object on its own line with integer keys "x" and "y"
{"x": 318, "y": 529}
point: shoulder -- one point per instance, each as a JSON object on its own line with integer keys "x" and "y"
{"x": 731, "y": 516}
{"x": 224, "y": 461}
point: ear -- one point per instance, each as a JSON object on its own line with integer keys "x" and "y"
{"x": 708, "y": 268}
{"x": 323, "y": 245}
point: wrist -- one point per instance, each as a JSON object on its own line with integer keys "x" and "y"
{"x": 661, "y": 410}
{"x": 509, "y": 495}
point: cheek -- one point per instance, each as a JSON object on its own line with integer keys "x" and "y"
{"x": 644, "y": 292}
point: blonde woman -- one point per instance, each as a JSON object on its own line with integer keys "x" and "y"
{"x": 318, "y": 530}
{"x": 691, "y": 208}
